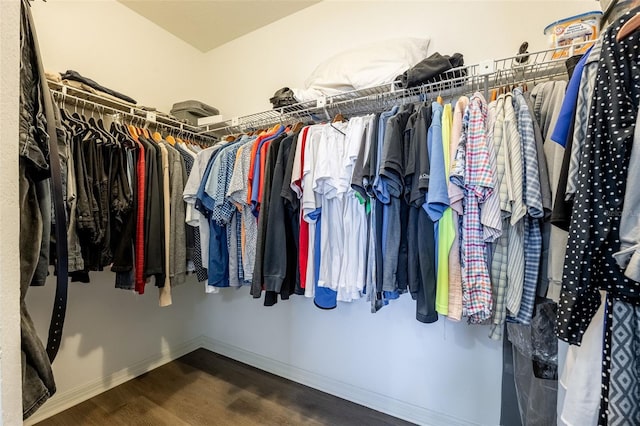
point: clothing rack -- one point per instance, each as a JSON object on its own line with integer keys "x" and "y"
{"x": 135, "y": 115}
{"x": 483, "y": 77}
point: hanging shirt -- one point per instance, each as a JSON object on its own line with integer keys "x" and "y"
{"x": 257, "y": 285}
{"x": 500, "y": 259}
{"x": 535, "y": 212}
{"x": 139, "y": 240}
{"x": 165, "y": 290}
{"x": 355, "y": 219}
{"x": 257, "y": 169}
{"x": 446, "y": 227}
{"x": 327, "y": 170}
{"x": 323, "y": 297}
{"x": 478, "y": 184}
{"x": 223, "y": 209}
{"x": 311, "y": 205}
{"x": 437, "y": 198}
{"x": 491, "y": 215}
{"x": 280, "y": 270}
{"x": 515, "y": 205}
{"x": 177, "y": 234}
{"x": 455, "y": 201}
{"x": 218, "y": 254}
{"x": 421, "y": 256}
{"x": 237, "y": 193}
{"x": 296, "y": 187}
{"x": 567, "y": 111}
{"x": 387, "y": 186}
{"x": 193, "y": 216}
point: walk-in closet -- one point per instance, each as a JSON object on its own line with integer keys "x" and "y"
{"x": 319, "y": 212}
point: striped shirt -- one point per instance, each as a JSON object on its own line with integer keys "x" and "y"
{"x": 501, "y": 246}
{"x": 515, "y": 266}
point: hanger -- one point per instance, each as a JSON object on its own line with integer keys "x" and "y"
{"x": 297, "y": 127}
{"x": 629, "y": 27}
{"x": 178, "y": 138}
{"x": 339, "y": 118}
{"x": 133, "y": 130}
{"x": 275, "y": 128}
{"x": 494, "y": 95}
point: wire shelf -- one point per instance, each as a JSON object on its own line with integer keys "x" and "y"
{"x": 82, "y": 100}
{"x": 482, "y": 77}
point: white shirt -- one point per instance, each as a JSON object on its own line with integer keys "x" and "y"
{"x": 327, "y": 171}
{"x": 354, "y": 260}
{"x": 309, "y": 202}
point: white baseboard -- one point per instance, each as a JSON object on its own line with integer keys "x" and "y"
{"x": 63, "y": 400}
{"x": 373, "y": 400}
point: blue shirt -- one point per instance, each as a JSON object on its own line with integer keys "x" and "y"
{"x": 437, "y": 197}
{"x": 381, "y": 188}
{"x": 560, "y": 134}
{"x": 218, "y": 262}
{"x": 380, "y": 185}
{"x": 324, "y": 298}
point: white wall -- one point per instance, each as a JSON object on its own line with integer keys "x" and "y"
{"x": 10, "y": 379}
{"x": 388, "y": 360}
{"x": 246, "y": 72}
{"x": 107, "y": 42}
{"x": 446, "y": 368}
{"x": 111, "y": 332}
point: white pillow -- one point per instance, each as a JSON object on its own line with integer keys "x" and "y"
{"x": 370, "y": 65}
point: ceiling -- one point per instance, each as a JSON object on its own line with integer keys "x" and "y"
{"x": 208, "y": 24}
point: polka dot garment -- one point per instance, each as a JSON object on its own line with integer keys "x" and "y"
{"x": 594, "y": 233}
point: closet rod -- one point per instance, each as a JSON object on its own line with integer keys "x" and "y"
{"x": 99, "y": 103}
{"x": 483, "y": 77}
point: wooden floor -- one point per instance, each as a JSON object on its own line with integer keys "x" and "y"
{"x": 203, "y": 388}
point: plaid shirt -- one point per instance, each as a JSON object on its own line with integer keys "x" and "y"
{"x": 478, "y": 186}
{"x": 535, "y": 210}
{"x": 501, "y": 246}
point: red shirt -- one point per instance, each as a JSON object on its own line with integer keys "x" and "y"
{"x": 139, "y": 247}
{"x": 303, "y": 238}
